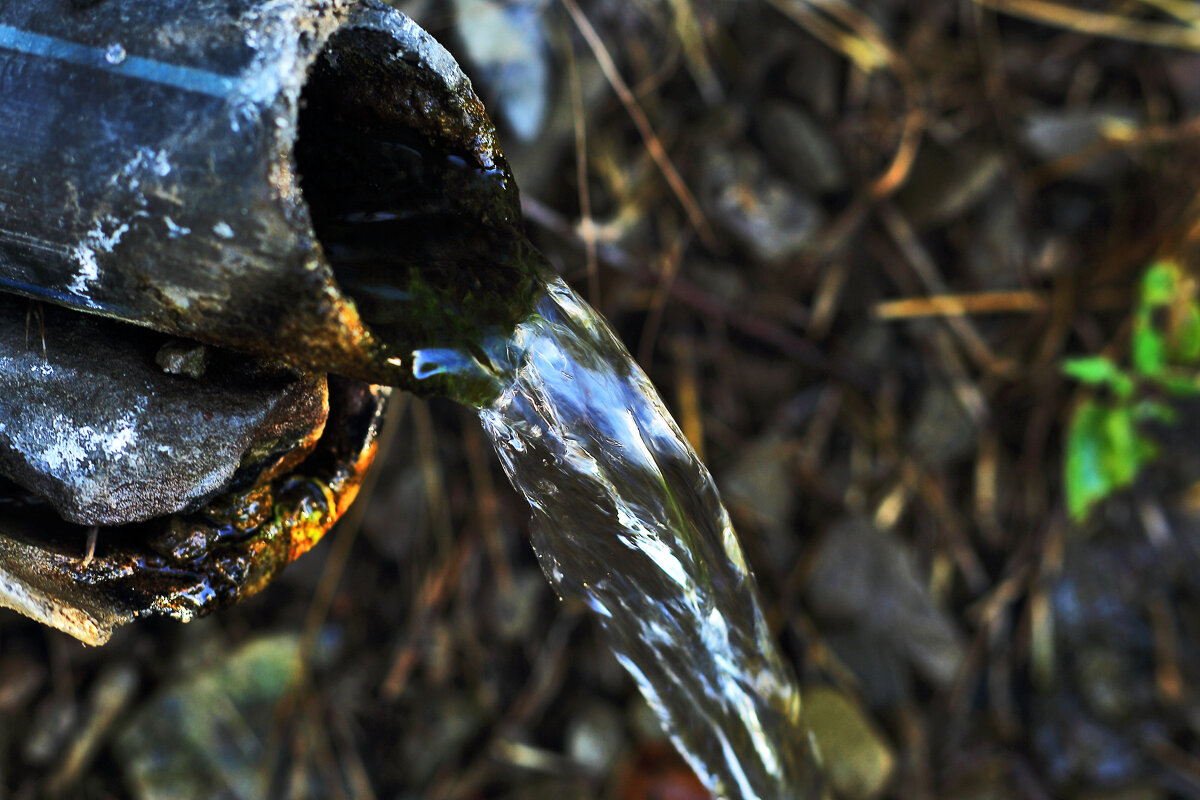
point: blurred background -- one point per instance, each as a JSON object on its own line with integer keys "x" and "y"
{"x": 854, "y": 243}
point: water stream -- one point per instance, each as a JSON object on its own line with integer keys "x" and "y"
{"x": 627, "y": 519}
{"x": 431, "y": 248}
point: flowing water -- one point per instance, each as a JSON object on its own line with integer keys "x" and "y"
{"x": 627, "y": 519}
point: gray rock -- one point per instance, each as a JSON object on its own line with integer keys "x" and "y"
{"x": 868, "y": 580}
{"x": 943, "y": 430}
{"x": 801, "y": 148}
{"x": 1054, "y": 133}
{"x": 767, "y": 215}
{"x": 183, "y": 357}
{"x": 595, "y": 736}
{"x": 97, "y": 428}
{"x": 947, "y": 182}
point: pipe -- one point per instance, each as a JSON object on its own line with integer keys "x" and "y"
{"x": 306, "y": 180}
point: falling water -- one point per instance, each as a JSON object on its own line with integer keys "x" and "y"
{"x": 430, "y": 246}
{"x": 627, "y": 519}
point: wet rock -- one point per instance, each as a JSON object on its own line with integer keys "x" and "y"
{"x": 442, "y": 724}
{"x": 97, "y": 428}
{"x": 801, "y": 148}
{"x": 873, "y": 346}
{"x": 760, "y": 486}
{"x": 1105, "y": 681}
{"x": 996, "y": 253}
{"x": 1074, "y": 747}
{"x": 855, "y": 756}
{"x": 814, "y": 76}
{"x": 766, "y": 214}
{"x": 885, "y": 678}
{"x": 516, "y": 609}
{"x": 182, "y": 357}
{"x": 1096, "y": 599}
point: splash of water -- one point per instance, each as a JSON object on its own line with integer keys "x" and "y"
{"x": 627, "y": 519}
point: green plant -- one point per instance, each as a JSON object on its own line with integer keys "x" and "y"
{"x": 1106, "y": 445}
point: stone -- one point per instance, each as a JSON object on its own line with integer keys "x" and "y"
{"x": 207, "y": 735}
{"x": 99, "y": 430}
{"x": 943, "y": 431}
{"x": 855, "y": 756}
{"x": 948, "y": 182}
{"x": 867, "y": 580}
{"x": 1058, "y": 133}
{"x": 183, "y": 357}
{"x": 801, "y": 148}
{"x": 767, "y": 215}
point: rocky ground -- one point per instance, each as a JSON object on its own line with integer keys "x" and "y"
{"x": 853, "y": 243}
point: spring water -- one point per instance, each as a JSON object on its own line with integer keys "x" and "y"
{"x": 628, "y": 520}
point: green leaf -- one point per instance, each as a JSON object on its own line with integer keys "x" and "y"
{"x": 1160, "y": 284}
{"x": 1099, "y": 371}
{"x": 1179, "y": 384}
{"x": 1106, "y": 450}
{"x": 1118, "y": 456}
{"x": 1084, "y": 475}
{"x": 1185, "y": 344}
{"x": 1149, "y": 347}
{"x": 1105, "y": 453}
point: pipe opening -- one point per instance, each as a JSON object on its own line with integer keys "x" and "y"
{"x": 422, "y": 232}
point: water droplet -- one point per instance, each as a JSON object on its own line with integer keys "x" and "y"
{"x": 426, "y": 366}
{"x": 115, "y": 53}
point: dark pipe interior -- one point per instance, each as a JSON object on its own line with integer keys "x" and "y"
{"x": 424, "y": 239}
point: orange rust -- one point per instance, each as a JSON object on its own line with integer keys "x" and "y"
{"x": 187, "y": 565}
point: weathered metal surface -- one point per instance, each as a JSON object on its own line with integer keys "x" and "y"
{"x": 148, "y": 172}
{"x": 98, "y": 429}
{"x": 187, "y": 564}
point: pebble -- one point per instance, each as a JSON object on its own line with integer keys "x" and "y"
{"x": 857, "y": 759}
{"x": 801, "y": 148}
{"x": 767, "y": 215}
